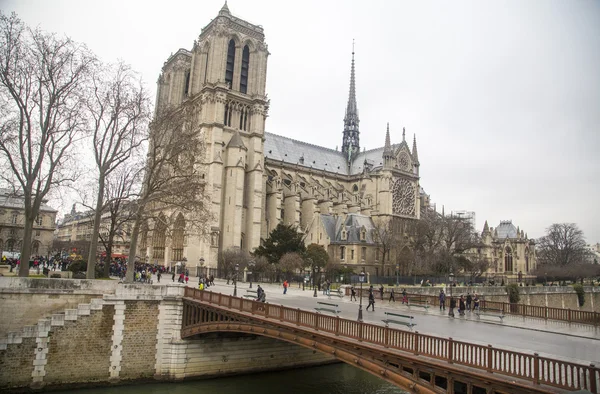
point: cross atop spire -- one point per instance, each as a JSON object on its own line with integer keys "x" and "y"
{"x": 351, "y": 133}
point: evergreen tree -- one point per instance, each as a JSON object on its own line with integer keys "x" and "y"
{"x": 283, "y": 239}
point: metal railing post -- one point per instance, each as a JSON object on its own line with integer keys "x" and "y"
{"x": 536, "y": 368}
{"x": 450, "y": 350}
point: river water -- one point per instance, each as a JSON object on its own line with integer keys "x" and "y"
{"x": 330, "y": 379}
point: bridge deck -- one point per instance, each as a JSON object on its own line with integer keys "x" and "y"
{"x": 435, "y": 356}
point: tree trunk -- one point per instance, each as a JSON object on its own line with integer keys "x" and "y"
{"x": 91, "y": 266}
{"x": 26, "y": 248}
{"x": 133, "y": 249}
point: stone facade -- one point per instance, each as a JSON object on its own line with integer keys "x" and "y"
{"x": 12, "y": 224}
{"x": 510, "y": 252}
{"x": 257, "y": 179}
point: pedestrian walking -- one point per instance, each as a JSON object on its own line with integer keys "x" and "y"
{"x": 392, "y": 295}
{"x": 285, "y": 286}
{"x": 173, "y": 276}
{"x": 381, "y": 289}
{"x": 452, "y": 306}
{"x": 371, "y": 301}
{"x": 442, "y": 300}
{"x": 404, "y": 297}
{"x": 476, "y": 303}
{"x": 461, "y": 306}
{"x": 186, "y": 279}
{"x": 259, "y": 292}
{"x": 469, "y": 301}
{"x": 158, "y": 277}
{"x": 352, "y": 293}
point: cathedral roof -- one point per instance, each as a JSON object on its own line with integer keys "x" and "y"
{"x": 353, "y": 223}
{"x": 290, "y": 151}
{"x": 278, "y": 147}
{"x": 506, "y": 229}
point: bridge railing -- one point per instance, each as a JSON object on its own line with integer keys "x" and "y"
{"x": 532, "y": 367}
{"x": 542, "y": 312}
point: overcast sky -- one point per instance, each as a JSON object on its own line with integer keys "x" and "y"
{"x": 504, "y": 96}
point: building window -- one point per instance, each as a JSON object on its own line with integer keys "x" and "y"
{"x": 14, "y": 218}
{"x": 363, "y": 235}
{"x": 230, "y": 61}
{"x": 39, "y": 220}
{"x": 351, "y": 254}
{"x": 187, "y": 83}
{"x": 244, "y": 73}
{"x": 363, "y": 253}
{"x": 38, "y": 233}
{"x": 508, "y": 260}
{"x": 376, "y": 254}
{"x": 344, "y": 235}
{"x": 342, "y": 252}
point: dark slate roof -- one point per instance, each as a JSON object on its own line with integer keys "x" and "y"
{"x": 292, "y": 151}
{"x": 353, "y": 223}
{"x": 8, "y": 200}
{"x": 506, "y": 229}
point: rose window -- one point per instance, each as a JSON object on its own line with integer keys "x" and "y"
{"x": 403, "y": 197}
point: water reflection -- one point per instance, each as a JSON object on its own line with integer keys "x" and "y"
{"x": 330, "y": 379}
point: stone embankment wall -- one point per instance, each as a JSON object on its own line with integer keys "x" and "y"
{"x": 130, "y": 333}
{"x": 26, "y": 300}
{"x": 550, "y": 296}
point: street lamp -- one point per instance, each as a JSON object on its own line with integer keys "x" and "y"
{"x": 303, "y": 276}
{"x": 315, "y": 269}
{"x": 251, "y": 265}
{"x": 237, "y": 267}
{"x": 361, "y": 279}
{"x": 397, "y": 269}
{"x": 451, "y": 279}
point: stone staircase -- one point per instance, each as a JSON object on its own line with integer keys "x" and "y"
{"x": 41, "y": 330}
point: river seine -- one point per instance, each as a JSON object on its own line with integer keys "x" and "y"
{"x": 329, "y": 379}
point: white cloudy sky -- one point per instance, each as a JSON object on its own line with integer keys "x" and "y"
{"x": 504, "y": 96}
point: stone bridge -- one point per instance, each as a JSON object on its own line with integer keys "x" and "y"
{"x": 416, "y": 362}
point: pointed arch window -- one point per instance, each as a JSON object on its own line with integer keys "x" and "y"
{"x": 245, "y": 67}
{"x": 230, "y": 62}
{"x": 178, "y": 238}
{"x": 186, "y": 90}
{"x": 508, "y": 260}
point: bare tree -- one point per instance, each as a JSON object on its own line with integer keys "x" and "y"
{"x": 117, "y": 210}
{"x": 173, "y": 174}
{"x": 42, "y": 78}
{"x": 232, "y": 261}
{"x": 564, "y": 244}
{"x": 119, "y": 111}
{"x": 290, "y": 263}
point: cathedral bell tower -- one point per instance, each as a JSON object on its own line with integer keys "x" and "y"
{"x": 224, "y": 76}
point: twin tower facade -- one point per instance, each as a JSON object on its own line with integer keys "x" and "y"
{"x": 257, "y": 179}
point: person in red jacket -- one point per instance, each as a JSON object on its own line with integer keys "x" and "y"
{"x": 285, "y": 286}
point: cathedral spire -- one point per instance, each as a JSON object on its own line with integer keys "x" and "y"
{"x": 414, "y": 150}
{"x": 224, "y": 9}
{"x": 350, "y": 144}
{"x": 388, "y": 145}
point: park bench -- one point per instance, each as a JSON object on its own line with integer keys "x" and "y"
{"x": 396, "y": 319}
{"x": 490, "y": 312}
{"x": 327, "y": 307}
{"x": 418, "y": 303}
{"x": 338, "y": 293}
{"x": 252, "y": 294}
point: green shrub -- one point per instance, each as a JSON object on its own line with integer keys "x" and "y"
{"x": 512, "y": 290}
{"x": 580, "y": 294}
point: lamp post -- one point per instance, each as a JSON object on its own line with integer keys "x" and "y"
{"x": 451, "y": 279}
{"x": 303, "y": 276}
{"x": 251, "y": 265}
{"x": 314, "y": 281}
{"x": 397, "y": 269}
{"x": 237, "y": 267}
{"x": 361, "y": 279}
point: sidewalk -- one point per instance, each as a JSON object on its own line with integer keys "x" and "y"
{"x": 275, "y": 295}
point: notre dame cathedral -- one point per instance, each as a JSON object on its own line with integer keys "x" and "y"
{"x": 257, "y": 179}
